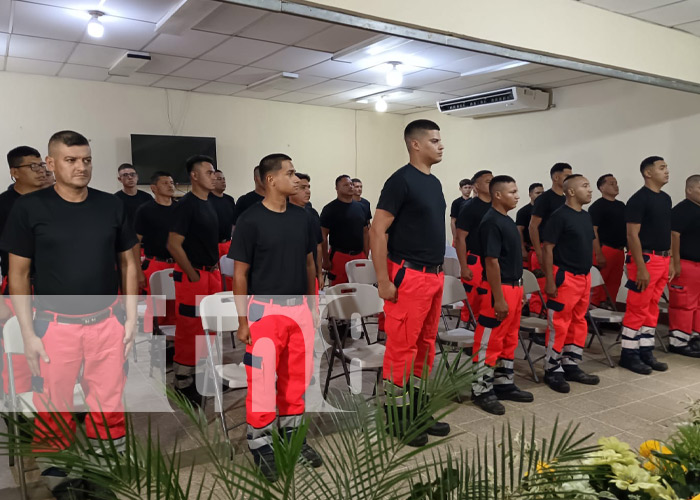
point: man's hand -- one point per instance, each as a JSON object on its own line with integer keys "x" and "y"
{"x": 33, "y": 350}
{"x": 129, "y": 333}
{"x": 602, "y": 261}
{"x": 467, "y": 274}
{"x": 193, "y": 278}
{"x": 674, "y": 271}
{"x": 387, "y": 291}
{"x": 642, "y": 278}
{"x": 142, "y": 278}
{"x": 500, "y": 307}
{"x": 319, "y": 280}
{"x": 550, "y": 289}
{"x": 243, "y": 334}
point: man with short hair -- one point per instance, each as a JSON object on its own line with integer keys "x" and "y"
{"x": 345, "y": 231}
{"x": 684, "y": 290}
{"x": 130, "y": 194}
{"x": 522, "y": 221}
{"x": 251, "y": 198}
{"x": 301, "y": 199}
{"x": 357, "y": 184}
{"x": 568, "y": 257}
{"x": 274, "y": 267}
{"x": 79, "y": 243}
{"x": 193, "y": 243}
{"x": 608, "y": 215}
{"x": 465, "y": 187}
{"x": 408, "y": 248}
{"x": 49, "y": 179}
{"x": 225, "y": 207}
{"x": 648, "y": 217}
{"x": 496, "y": 334}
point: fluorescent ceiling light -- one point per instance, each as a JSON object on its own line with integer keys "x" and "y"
{"x": 495, "y": 67}
{"x": 387, "y": 94}
{"x": 95, "y": 28}
{"x": 372, "y": 47}
{"x": 270, "y": 81}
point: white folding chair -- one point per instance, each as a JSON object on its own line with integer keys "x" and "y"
{"x": 162, "y": 287}
{"x": 531, "y": 325}
{"x": 450, "y": 266}
{"x": 598, "y": 315}
{"x": 226, "y": 268}
{"x": 461, "y": 338}
{"x": 450, "y": 252}
{"x": 361, "y": 271}
{"x": 346, "y": 302}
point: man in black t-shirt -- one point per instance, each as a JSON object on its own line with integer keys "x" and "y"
{"x": 496, "y": 334}
{"x": 568, "y": 257}
{"x": 249, "y": 199}
{"x": 648, "y": 217}
{"x": 274, "y": 265}
{"x": 608, "y": 215}
{"x": 225, "y": 207}
{"x": 684, "y": 300}
{"x": 193, "y": 242}
{"x": 522, "y": 222}
{"x": 301, "y": 199}
{"x": 130, "y": 194}
{"x": 75, "y": 238}
{"x": 465, "y": 187}
{"x": 357, "y": 184}
{"x": 345, "y": 231}
{"x": 467, "y": 241}
{"x": 408, "y": 248}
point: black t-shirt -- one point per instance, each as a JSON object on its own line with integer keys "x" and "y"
{"x": 74, "y": 248}
{"x": 153, "y": 222}
{"x": 7, "y": 201}
{"x": 132, "y": 203}
{"x": 418, "y": 205}
{"x": 197, "y": 221}
{"x": 653, "y": 211}
{"x": 244, "y": 203}
{"x": 276, "y": 246}
{"x": 346, "y": 223}
{"x": 469, "y": 219}
{"x": 609, "y": 217}
{"x": 499, "y": 238}
{"x": 367, "y": 208}
{"x": 456, "y": 206}
{"x": 572, "y": 235}
{"x": 315, "y": 222}
{"x": 685, "y": 219}
{"x": 522, "y": 218}
{"x": 225, "y": 208}
{"x": 545, "y": 205}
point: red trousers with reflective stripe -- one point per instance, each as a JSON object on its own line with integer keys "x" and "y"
{"x": 500, "y": 340}
{"x": 535, "y": 301}
{"x": 226, "y": 282}
{"x": 189, "y": 334}
{"x": 568, "y": 329}
{"x": 684, "y": 304}
{"x": 338, "y": 262}
{"x": 22, "y": 374}
{"x": 165, "y": 315}
{"x": 475, "y": 292}
{"x": 611, "y": 273}
{"x": 99, "y": 348}
{"x": 282, "y": 349}
{"x": 411, "y": 323}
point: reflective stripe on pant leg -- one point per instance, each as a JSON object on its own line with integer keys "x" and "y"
{"x": 647, "y": 338}
{"x": 484, "y": 383}
{"x": 678, "y": 338}
{"x": 503, "y": 374}
{"x": 290, "y": 421}
{"x": 396, "y": 395}
{"x": 259, "y": 437}
{"x": 630, "y": 340}
{"x": 571, "y": 354}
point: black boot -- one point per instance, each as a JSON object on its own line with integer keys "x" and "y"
{"x": 192, "y": 395}
{"x": 435, "y": 428}
{"x": 265, "y": 460}
{"x": 648, "y": 358}
{"x": 71, "y": 489}
{"x": 557, "y": 382}
{"x": 489, "y": 403}
{"x": 573, "y": 373}
{"x": 511, "y": 392}
{"x": 401, "y": 422}
{"x": 633, "y": 363}
{"x": 686, "y": 350}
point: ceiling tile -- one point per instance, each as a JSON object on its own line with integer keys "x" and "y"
{"x": 177, "y": 83}
{"x": 332, "y": 87}
{"x": 628, "y": 6}
{"x": 435, "y": 55}
{"x": 576, "y": 81}
{"x": 292, "y": 59}
{"x": 163, "y": 65}
{"x": 377, "y": 74}
{"x": 247, "y": 75}
{"x": 410, "y": 111}
{"x": 302, "y": 82}
{"x": 5, "y": 10}
{"x": 673, "y": 14}
{"x": 283, "y": 28}
{"x": 4, "y": 37}
{"x": 332, "y": 69}
{"x": 335, "y": 38}
{"x": 190, "y": 44}
{"x": 220, "y": 88}
{"x": 94, "y": 55}
{"x": 124, "y": 33}
{"x": 18, "y": 65}
{"x": 450, "y": 86}
{"x": 487, "y": 87}
{"x": 48, "y": 22}
{"x": 135, "y": 79}
{"x": 242, "y": 51}
{"x": 392, "y": 106}
{"x": 150, "y": 10}
{"x": 228, "y": 19}
{"x": 296, "y": 97}
{"x": 350, "y": 95}
{"x": 472, "y": 62}
{"x": 356, "y": 105}
{"x": 263, "y": 94}
{"x": 693, "y": 27}
{"x": 29, "y": 47}
{"x": 83, "y": 72}
{"x": 426, "y": 77}
{"x": 331, "y": 100}
{"x": 423, "y": 98}
{"x": 544, "y": 77}
{"x": 205, "y": 70}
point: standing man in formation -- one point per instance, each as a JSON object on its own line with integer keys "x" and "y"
{"x": 129, "y": 193}
{"x": 684, "y": 290}
{"x": 568, "y": 257}
{"x": 522, "y": 222}
{"x": 225, "y": 207}
{"x": 274, "y": 266}
{"x": 648, "y": 216}
{"x": 193, "y": 243}
{"x": 496, "y": 335}
{"x": 251, "y": 198}
{"x": 408, "y": 263}
{"x": 301, "y": 199}
{"x": 345, "y": 231}
{"x": 465, "y": 187}
{"x": 357, "y": 184}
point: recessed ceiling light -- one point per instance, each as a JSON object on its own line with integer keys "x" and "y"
{"x": 381, "y": 106}
{"x": 394, "y": 77}
{"x": 95, "y": 28}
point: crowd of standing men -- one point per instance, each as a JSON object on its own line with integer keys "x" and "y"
{"x": 76, "y": 250}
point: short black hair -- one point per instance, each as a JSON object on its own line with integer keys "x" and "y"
{"x": 649, "y": 162}
{"x": 465, "y": 182}
{"x": 559, "y": 167}
{"x": 419, "y": 125}
{"x": 256, "y": 171}
{"x": 158, "y": 174}
{"x": 124, "y": 166}
{"x": 69, "y": 138}
{"x": 303, "y": 177}
{"x": 572, "y": 176}
{"x": 272, "y": 163}
{"x": 15, "y": 155}
{"x": 479, "y": 174}
{"x": 194, "y": 160}
{"x": 497, "y": 180}
{"x": 534, "y": 186}
{"x": 601, "y": 180}
{"x": 355, "y": 179}
{"x": 340, "y": 178}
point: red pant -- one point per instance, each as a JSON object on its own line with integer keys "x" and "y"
{"x": 535, "y": 301}
{"x": 188, "y": 325}
{"x": 411, "y": 323}
{"x": 473, "y": 287}
{"x": 642, "y": 313}
{"x": 568, "y": 329}
{"x": 226, "y": 281}
{"x": 338, "y": 261}
{"x": 282, "y": 348}
{"x": 22, "y": 374}
{"x": 495, "y": 341}
{"x": 99, "y": 349}
{"x": 166, "y": 315}
{"x": 684, "y": 304}
{"x": 611, "y": 273}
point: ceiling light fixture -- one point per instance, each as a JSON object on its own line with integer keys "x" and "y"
{"x": 394, "y": 77}
{"x": 95, "y": 28}
{"x": 381, "y": 106}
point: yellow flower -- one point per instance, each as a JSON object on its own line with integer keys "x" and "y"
{"x": 544, "y": 467}
{"x": 648, "y": 447}
{"x": 696, "y": 497}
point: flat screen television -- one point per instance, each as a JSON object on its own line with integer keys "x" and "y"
{"x": 150, "y": 153}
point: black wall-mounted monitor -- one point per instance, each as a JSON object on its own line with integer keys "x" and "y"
{"x": 150, "y": 153}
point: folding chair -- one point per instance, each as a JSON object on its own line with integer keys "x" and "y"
{"x": 162, "y": 287}
{"x": 361, "y": 271}
{"x": 23, "y": 403}
{"x": 450, "y": 266}
{"x": 346, "y": 302}
{"x": 529, "y": 324}
{"x": 226, "y": 268}
{"x": 461, "y": 338}
{"x": 450, "y": 252}
{"x": 598, "y": 315}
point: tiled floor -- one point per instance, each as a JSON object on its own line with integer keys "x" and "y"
{"x": 632, "y": 407}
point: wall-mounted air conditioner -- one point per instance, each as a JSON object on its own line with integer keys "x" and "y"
{"x": 496, "y": 102}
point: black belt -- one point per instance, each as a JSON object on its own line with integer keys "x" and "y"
{"x": 575, "y": 273}
{"x": 417, "y": 267}
{"x": 159, "y": 259}
{"x": 209, "y": 269}
{"x": 347, "y": 252}
{"x": 280, "y": 300}
{"x": 225, "y": 240}
{"x": 90, "y": 319}
{"x": 513, "y": 283}
{"x": 660, "y": 253}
